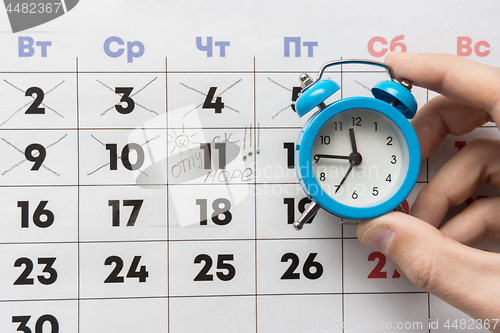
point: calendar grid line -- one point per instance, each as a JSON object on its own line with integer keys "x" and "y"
{"x": 427, "y": 181}
{"x": 175, "y": 240}
{"x": 158, "y": 184}
{"x": 256, "y": 71}
{"x": 167, "y": 199}
{"x": 343, "y": 277}
{"x": 88, "y": 129}
{"x": 427, "y": 159}
{"x": 255, "y": 196}
{"x": 263, "y": 71}
{"x": 297, "y": 294}
{"x": 342, "y": 226}
{"x": 333, "y": 293}
{"x": 429, "y": 309}
{"x": 252, "y": 295}
{"x": 75, "y": 242}
{"x": 78, "y": 194}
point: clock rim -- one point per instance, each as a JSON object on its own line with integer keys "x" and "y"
{"x": 303, "y": 161}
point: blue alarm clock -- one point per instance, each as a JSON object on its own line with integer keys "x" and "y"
{"x": 358, "y": 157}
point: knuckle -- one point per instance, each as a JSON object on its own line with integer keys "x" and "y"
{"x": 486, "y": 212}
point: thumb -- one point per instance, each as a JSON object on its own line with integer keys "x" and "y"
{"x": 465, "y": 277}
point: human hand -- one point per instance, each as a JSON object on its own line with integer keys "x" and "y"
{"x": 440, "y": 261}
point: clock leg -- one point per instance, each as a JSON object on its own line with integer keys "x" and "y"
{"x": 307, "y": 216}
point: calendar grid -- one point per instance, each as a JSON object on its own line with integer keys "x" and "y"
{"x": 259, "y": 291}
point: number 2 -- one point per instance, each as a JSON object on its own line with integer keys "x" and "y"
{"x": 34, "y": 107}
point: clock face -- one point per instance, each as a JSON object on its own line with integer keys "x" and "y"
{"x": 360, "y": 158}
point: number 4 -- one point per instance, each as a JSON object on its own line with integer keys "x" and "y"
{"x": 210, "y": 104}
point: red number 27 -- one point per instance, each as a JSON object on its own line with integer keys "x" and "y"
{"x": 377, "y": 272}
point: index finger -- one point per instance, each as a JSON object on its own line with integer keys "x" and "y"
{"x": 459, "y": 79}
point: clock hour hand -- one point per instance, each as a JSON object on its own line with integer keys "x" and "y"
{"x": 353, "y": 140}
{"x": 354, "y": 158}
{"x": 338, "y": 157}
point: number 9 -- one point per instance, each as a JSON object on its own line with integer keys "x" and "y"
{"x": 39, "y": 158}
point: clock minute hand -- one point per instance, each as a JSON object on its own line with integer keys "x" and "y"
{"x": 317, "y": 157}
{"x": 345, "y": 176}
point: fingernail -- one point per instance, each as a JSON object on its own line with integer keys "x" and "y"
{"x": 378, "y": 237}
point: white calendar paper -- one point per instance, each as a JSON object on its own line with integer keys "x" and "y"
{"x": 147, "y": 180}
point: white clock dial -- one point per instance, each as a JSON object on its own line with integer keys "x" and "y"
{"x": 360, "y": 158}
